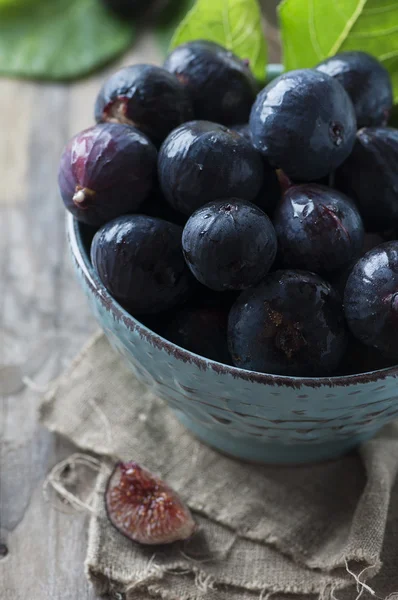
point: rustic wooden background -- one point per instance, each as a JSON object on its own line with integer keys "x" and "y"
{"x": 44, "y": 321}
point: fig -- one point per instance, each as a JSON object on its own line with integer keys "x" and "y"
{"x": 229, "y": 244}
{"x": 271, "y": 190}
{"x": 291, "y": 323}
{"x": 144, "y": 508}
{"x": 318, "y": 229}
{"x": 202, "y": 330}
{"x": 148, "y": 97}
{"x": 106, "y": 171}
{"x": 360, "y": 358}
{"x": 202, "y": 161}
{"x": 220, "y": 84}
{"x": 370, "y": 176}
{"x": 140, "y": 262}
{"x": 366, "y": 81}
{"x": 371, "y": 299}
{"x": 338, "y": 279}
{"x": 304, "y": 123}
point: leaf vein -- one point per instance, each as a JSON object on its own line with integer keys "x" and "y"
{"x": 372, "y": 34}
{"x": 313, "y": 34}
{"x": 348, "y": 26}
{"x": 379, "y": 9}
{"x": 388, "y": 55}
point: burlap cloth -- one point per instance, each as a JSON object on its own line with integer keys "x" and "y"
{"x": 262, "y": 530}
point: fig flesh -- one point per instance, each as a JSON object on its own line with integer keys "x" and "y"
{"x": 144, "y": 508}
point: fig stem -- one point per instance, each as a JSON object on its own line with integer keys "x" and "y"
{"x": 81, "y": 196}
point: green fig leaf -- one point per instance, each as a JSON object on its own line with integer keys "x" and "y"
{"x": 312, "y": 30}
{"x": 59, "y": 39}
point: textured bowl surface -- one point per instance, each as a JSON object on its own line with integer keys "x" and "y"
{"x": 252, "y": 416}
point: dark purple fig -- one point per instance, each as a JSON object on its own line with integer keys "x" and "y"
{"x": 338, "y": 279}
{"x": 106, "y": 171}
{"x": 144, "y": 508}
{"x": 201, "y": 161}
{"x": 360, "y": 358}
{"x": 202, "y": 330}
{"x": 370, "y": 176}
{"x": 140, "y": 262}
{"x": 229, "y": 244}
{"x": 291, "y": 323}
{"x": 319, "y": 229}
{"x": 371, "y": 299}
{"x": 366, "y": 81}
{"x": 270, "y": 193}
{"x": 220, "y": 84}
{"x": 304, "y": 123}
{"x": 148, "y": 97}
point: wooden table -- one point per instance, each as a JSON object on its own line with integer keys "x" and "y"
{"x": 44, "y": 321}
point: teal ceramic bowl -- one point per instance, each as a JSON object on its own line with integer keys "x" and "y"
{"x": 251, "y": 416}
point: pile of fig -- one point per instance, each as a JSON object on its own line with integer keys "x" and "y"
{"x": 254, "y": 227}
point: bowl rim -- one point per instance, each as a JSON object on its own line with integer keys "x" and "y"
{"x": 83, "y": 263}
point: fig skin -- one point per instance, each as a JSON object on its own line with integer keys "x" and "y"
{"x": 201, "y": 161}
{"x": 202, "y": 330}
{"x": 106, "y": 171}
{"x": 366, "y": 81}
{"x": 220, "y": 84}
{"x": 144, "y": 508}
{"x": 229, "y": 244}
{"x": 362, "y": 359}
{"x": 291, "y": 323}
{"x": 339, "y": 278}
{"x": 370, "y": 177}
{"x": 371, "y": 299}
{"x": 140, "y": 262}
{"x": 318, "y": 229}
{"x": 304, "y": 123}
{"x": 270, "y": 194}
{"x": 146, "y": 96}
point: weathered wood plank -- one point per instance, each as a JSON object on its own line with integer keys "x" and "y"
{"x": 46, "y": 548}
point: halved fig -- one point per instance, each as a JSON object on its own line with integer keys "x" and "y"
{"x": 144, "y": 508}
